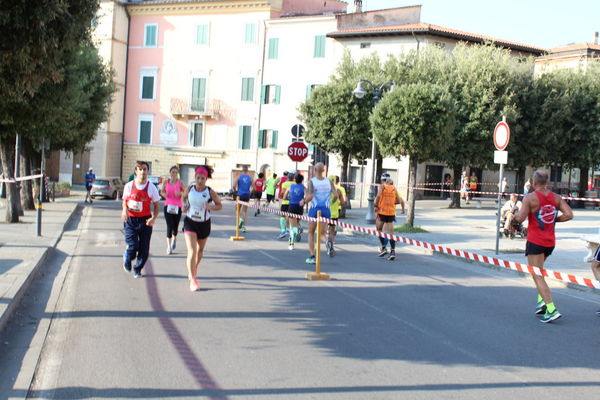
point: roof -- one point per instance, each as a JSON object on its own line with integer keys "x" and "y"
{"x": 422, "y": 27}
{"x": 575, "y": 47}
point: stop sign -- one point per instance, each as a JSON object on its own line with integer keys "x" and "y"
{"x": 297, "y": 151}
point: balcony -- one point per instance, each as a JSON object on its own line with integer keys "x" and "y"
{"x": 181, "y": 108}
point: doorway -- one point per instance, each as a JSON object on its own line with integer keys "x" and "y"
{"x": 433, "y": 177}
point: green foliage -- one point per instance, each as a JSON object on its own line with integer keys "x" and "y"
{"x": 406, "y": 228}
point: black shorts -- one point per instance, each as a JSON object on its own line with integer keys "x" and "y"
{"x": 285, "y": 207}
{"x": 295, "y": 209}
{"x": 257, "y": 195}
{"x": 534, "y": 249}
{"x": 386, "y": 218}
{"x": 201, "y": 229}
{"x": 270, "y": 198}
{"x": 334, "y": 219}
{"x": 244, "y": 197}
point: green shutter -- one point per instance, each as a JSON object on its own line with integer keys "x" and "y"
{"x": 148, "y": 87}
{"x": 274, "y": 135}
{"x": 202, "y": 34}
{"x": 247, "y": 89}
{"x": 241, "y": 138}
{"x": 273, "y": 48}
{"x": 145, "y": 132}
{"x": 250, "y": 36}
{"x": 308, "y": 90}
{"x": 261, "y": 138}
{"x": 277, "y": 94}
{"x": 247, "y": 137}
{"x": 150, "y": 35}
{"x": 198, "y": 94}
{"x": 263, "y": 94}
{"x": 319, "y": 46}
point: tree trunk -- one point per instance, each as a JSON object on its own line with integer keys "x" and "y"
{"x": 455, "y": 203}
{"x": 7, "y": 148}
{"x": 412, "y": 180}
{"x": 26, "y": 186}
{"x": 344, "y": 178}
{"x": 583, "y": 180}
{"x": 379, "y": 167}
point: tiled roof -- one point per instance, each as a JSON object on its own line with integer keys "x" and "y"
{"x": 576, "y": 46}
{"x": 422, "y": 27}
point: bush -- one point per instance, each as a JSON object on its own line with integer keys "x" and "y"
{"x": 63, "y": 185}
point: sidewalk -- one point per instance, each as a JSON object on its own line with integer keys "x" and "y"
{"x": 473, "y": 229}
{"x": 22, "y": 252}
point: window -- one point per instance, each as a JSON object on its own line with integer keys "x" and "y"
{"x": 247, "y": 89}
{"x": 309, "y": 90}
{"x": 202, "y": 34}
{"x": 319, "y": 46}
{"x": 273, "y": 48}
{"x": 556, "y": 173}
{"x": 251, "y": 33}
{"x": 198, "y": 102}
{"x": 267, "y": 139}
{"x": 245, "y": 136}
{"x": 147, "y": 86}
{"x": 270, "y": 94}
{"x": 150, "y": 35}
{"x": 196, "y": 134}
{"x": 145, "y": 129}
{"x": 365, "y": 45}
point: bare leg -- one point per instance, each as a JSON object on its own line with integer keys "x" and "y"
{"x": 312, "y": 227}
{"x": 191, "y": 240}
{"x": 537, "y": 260}
{"x": 199, "y": 254}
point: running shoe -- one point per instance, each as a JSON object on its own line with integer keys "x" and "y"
{"x": 137, "y": 273}
{"x": 382, "y": 252}
{"x": 282, "y": 235}
{"x": 243, "y": 229}
{"x": 194, "y": 286}
{"x": 598, "y": 313}
{"x": 291, "y": 246}
{"x": 300, "y": 230}
{"x": 392, "y": 255}
{"x": 540, "y": 308}
{"x": 550, "y": 316}
{"x": 169, "y": 250}
{"x": 126, "y": 265}
{"x": 330, "y": 249}
{"x": 311, "y": 260}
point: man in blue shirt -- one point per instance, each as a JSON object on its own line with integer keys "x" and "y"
{"x": 89, "y": 180}
{"x": 243, "y": 187}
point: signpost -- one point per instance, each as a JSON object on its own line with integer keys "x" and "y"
{"x": 297, "y": 151}
{"x": 501, "y": 139}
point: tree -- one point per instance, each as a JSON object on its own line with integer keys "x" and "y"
{"x": 414, "y": 120}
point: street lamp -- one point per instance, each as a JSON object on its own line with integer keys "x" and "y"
{"x": 359, "y": 93}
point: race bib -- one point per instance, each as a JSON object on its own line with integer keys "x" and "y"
{"x": 172, "y": 209}
{"x": 134, "y": 206}
{"x": 197, "y": 213}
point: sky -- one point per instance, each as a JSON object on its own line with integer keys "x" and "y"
{"x": 541, "y": 23}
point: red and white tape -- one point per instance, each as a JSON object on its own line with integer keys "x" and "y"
{"x": 21, "y": 178}
{"x": 559, "y": 276}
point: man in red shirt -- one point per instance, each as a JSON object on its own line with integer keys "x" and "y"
{"x": 541, "y": 208}
{"x": 258, "y": 188}
{"x": 281, "y": 181}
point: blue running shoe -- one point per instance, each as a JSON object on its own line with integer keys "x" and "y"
{"x": 550, "y": 316}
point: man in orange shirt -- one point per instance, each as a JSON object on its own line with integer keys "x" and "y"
{"x": 385, "y": 207}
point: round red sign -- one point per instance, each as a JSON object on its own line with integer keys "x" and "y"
{"x": 297, "y": 151}
{"x": 501, "y": 135}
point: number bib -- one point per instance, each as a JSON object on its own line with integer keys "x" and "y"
{"x": 197, "y": 213}
{"x": 172, "y": 209}
{"x": 134, "y": 206}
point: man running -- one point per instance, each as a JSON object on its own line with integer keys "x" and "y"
{"x": 320, "y": 194}
{"x": 242, "y": 186}
{"x": 258, "y": 188}
{"x": 295, "y": 195}
{"x": 271, "y": 186}
{"x": 138, "y": 218}
{"x": 285, "y": 204}
{"x": 385, "y": 207}
{"x": 541, "y": 208}
{"x": 336, "y": 206}
{"x": 90, "y": 177}
{"x": 280, "y": 183}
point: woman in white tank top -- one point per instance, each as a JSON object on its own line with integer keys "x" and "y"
{"x": 198, "y": 201}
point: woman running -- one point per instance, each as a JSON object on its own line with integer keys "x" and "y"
{"x": 172, "y": 191}
{"x": 198, "y": 201}
{"x": 295, "y": 195}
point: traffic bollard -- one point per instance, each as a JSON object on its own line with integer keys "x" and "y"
{"x": 237, "y": 223}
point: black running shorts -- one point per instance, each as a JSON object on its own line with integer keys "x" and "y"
{"x": 535, "y": 249}
{"x": 201, "y": 229}
{"x": 386, "y": 218}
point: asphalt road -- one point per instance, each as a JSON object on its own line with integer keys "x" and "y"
{"x": 420, "y": 327}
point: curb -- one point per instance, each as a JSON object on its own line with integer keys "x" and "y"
{"x": 22, "y": 290}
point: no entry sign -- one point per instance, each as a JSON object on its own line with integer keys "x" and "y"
{"x": 501, "y": 135}
{"x": 297, "y": 151}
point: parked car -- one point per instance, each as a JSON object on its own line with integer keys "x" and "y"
{"x": 107, "y": 188}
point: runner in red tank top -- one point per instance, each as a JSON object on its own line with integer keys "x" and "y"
{"x": 541, "y": 209}
{"x": 259, "y": 187}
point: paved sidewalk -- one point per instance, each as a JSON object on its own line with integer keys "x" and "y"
{"x": 22, "y": 252}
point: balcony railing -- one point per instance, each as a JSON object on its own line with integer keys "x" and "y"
{"x": 198, "y": 108}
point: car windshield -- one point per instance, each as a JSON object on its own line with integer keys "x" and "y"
{"x": 101, "y": 182}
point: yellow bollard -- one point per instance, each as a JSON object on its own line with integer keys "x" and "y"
{"x": 318, "y": 276}
{"x": 237, "y": 223}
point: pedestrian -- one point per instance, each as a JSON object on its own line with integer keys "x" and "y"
{"x": 503, "y": 188}
{"x": 271, "y": 186}
{"x": 541, "y": 209}
{"x": 320, "y": 194}
{"x": 172, "y": 190}
{"x": 335, "y": 207}
{"x": 385, "y": 207}
{"x": 280, "y": 183}
{"x": 198, "y": 201}
{"x": 141, "y": 206}
{"x": 464, "y": 186}
{"x": 257, "y": 190}
{"x": 447, "y": 186}
{"x": 90, "y": 177}
{"x": 528, "y": 187}
{"x": 295, "y": 195}
{"x": 473, "y": 181}
{"x": 242, "y": 186}
{"x": 285, "y": 204}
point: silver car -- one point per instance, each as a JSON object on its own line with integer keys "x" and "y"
{"x": 107, "y": 187}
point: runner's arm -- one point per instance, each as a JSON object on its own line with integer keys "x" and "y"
{"x": 184, "y": 199}
{"x": 334, "y": 191}
{"x": 524, "y": 211}
{"x": 565, "y": 209}
{"x": 124, "y": 204}
{"x": 235, "y": 184}
{"x": 217, "y": 200}
{"x": 400, "y": 201}
{"x": 309, "y": 193}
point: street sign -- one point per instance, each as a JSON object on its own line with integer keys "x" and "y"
{"x": 297, "y": 151}
{"x": 500, "y": 157}
{"x": 501, "y": 135}
{"x": 297, "y": 130}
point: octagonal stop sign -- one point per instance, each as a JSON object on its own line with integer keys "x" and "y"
{"x": 297, "y": 151}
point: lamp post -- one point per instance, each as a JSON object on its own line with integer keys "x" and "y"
{"x": 359, "y": 93}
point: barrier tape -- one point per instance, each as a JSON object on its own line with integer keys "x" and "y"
{"x": 21, "y": 178}
{"x": 515, "y": 266}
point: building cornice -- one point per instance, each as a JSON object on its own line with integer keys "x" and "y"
{"x": 188, "y": 8}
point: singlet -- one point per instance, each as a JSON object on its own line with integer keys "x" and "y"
{"x": 138, "y": 202}
{"x": 259, "y": 185}
{"x": 387, "y": 200}
{"x": 336, "y": 206}
{"x": 244, "y": 184}
{"x": 197, "y": 211}
{"x": 473, "y": 183}
{"x": 172, "y": 199}
{"x": 271, "y": 186}
{"x": 285, "y": 185}
{"x": 296, "y": 193}
{"x": 540, "y": 230}
{"x": 322, "y": 193}
{"x": 281, "y": 188}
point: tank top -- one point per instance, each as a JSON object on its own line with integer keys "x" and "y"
{"x": 172, "y": 199}
{"x": 259, "y": 185}
{"x": 285, "y": 185}
{"x": 322, "y": 193}
{"x": 542, "y": 221}
{"x": 296, "y": 193}
{"x": 387, "y": 201}
{"x": 281, "y": 182}
{"x": 197, "y": 211}
{"x": 244, "y": 184}
{"x": 138, "y": 202}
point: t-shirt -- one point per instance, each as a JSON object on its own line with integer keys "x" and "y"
{"x": 285, "y": 185}
{"x": 89, "y": 179}
{"x": 271, "y": 186}
{"x": 152, "y": 190}
{"x": 509, "y": 205}
{"x": 244, "y": 184}
{"x": 336, "y": 205}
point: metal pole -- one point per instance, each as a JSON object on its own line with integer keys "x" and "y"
{"x": 499, "y": 208}
{"x": 41, "y": 191}
{"x": 318, "y": 244}
{"x": 362, "y": 182}
{"x": 370, "y": 218}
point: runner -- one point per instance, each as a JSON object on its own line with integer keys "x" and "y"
{"x": 90, "y": 177}
{"x": 138, "y": 218}
{"x": 385, "y": 207}
{"x": 258, "y": 188}
{"x": 284, "y": 221}
{"x": 320, "y": 194}
{"x": 199, "y": 200}
{"x": 295, "y": 195}
{"x": 541, "y": 208}
{"x": 336, "y": 206}
{"x": 271, "y": 186}
{"x": 172, "y": 190}
{"x": 596, "y": 269}
{"x": 242, "y": 186}
{"x": 280, "y": 183}
{"x": 464, "y": 186}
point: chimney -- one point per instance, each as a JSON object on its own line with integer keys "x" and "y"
{"x": 595, "y": 37}
{"x": 358, "y": 9}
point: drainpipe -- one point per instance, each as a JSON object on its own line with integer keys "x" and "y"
{"x": 125, "y": 89}
{"x": 262, "y": 75}
{"x": 418, "y": 41}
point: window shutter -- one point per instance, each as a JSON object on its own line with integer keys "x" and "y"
{"x": 151, "y": 35}
{"x": 261, "y": 138}
{"x": 202, "y": 34}
{"x": 250, "y": 37}
{"x": 263, "y": 94}
{"x": 277, "y": 94}
{"x": 273, "y": 48}
{"x": 145, "y": 132}
{"x": 308, "y": 90}
{"x": 319, "y": 46}
{"x": 247, "y": 137}
{"x": 274, "y": 135}
{"x": 148, "y": 87}
{"x": 241, "y": 138}
{"x": 198, "y": 94}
